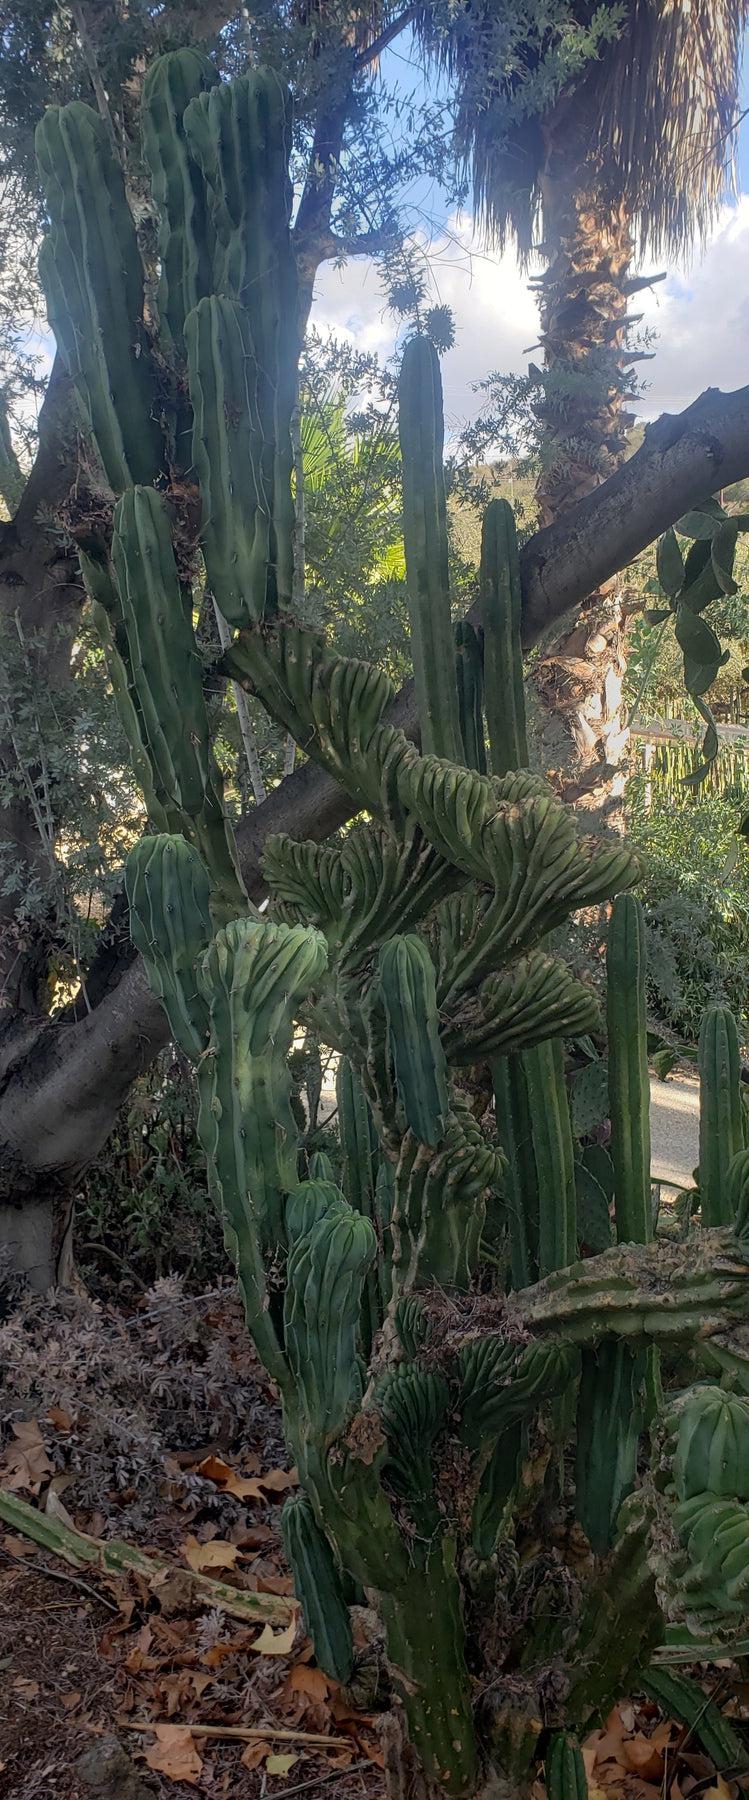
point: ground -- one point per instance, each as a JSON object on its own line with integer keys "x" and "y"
{"x": 675, "y": 1125}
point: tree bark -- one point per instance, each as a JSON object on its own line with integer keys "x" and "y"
{"x": 578, "y": 681}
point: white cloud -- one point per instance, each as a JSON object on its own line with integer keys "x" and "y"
{"x": 701, "y": 316}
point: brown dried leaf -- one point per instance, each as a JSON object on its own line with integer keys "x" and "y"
{"x": 275, "y": 1643}
{"x": 255, "y": 1753}
{"x": 175, "y": 1754}
{"x": 215, "y": 1555}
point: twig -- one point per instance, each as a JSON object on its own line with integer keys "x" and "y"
{"x": 45, "y": 1568}
{"x": 243, "y": 1734}
{"x": 315, "y": 1781}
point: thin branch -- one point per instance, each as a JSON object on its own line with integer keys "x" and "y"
{"x": 247, "y": 734}
{"x": 380, "y": 43}
{"x": 94, "y": 74}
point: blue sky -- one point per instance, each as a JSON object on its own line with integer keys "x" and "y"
{"x": 700, "y": 314}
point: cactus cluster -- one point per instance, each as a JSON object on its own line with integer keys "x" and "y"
{"x": 436, "y": 1346}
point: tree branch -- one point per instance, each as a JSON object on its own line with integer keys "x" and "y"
{"x": 385, "y": 37}
{"x": 59, "y": 1099}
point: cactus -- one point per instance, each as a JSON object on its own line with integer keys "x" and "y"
{"x": 680, "y": 1698}
{"x": 425, "y": 539}
{"x": 317, "y": 1583}
{"x": 501, "y": 602}
{"x": 427, "y": 1408}
{"x": 565, "y": 1770}
{"x": 93, "y": 279}
{"x": 610, "y": 1409}
{"x": 185, "y": 237}
{"x": 712, "y": 1445}
{"x": 469, "y": 674}
{"x": 629, "y": 1081}
{"x": 721, "y": 1123}
{"x": 406, "y": 974}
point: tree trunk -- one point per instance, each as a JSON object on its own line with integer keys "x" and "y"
{"x": 583, "y": 307}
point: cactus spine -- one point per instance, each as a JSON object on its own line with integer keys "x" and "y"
{"x": 721, "y": 1123}
{"x": 425, "y": 539}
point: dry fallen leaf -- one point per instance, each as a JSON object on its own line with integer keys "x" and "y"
{"x": 304, "y": 1680}
{"x": 59, "y": 1418}
{"x": 26, "y": 1463}
{"x": 246, "y": 1487}
{"x": 721, "y": 1790}
{"x": 216, "y": 1554}
{"x": 18, "y": 1546}
{"x": 643, "y": 1757}
{"x": 271, "y": 1643}
{"x": 278, "y": 1764}
{"x": 255, "y": 1753}
{"x": 175, "y": 1754}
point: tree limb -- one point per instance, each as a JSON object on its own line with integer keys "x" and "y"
{"x": 385, "y": 37}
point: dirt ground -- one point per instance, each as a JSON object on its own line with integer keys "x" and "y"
{"x": 160, "y": 1429}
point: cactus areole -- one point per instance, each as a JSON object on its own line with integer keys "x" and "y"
{"x": 435, "y": 1344}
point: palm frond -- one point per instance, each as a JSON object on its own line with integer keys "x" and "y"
{"x": 648, "y": 90}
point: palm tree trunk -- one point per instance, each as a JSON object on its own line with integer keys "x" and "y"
{"x": 582, "y": 411}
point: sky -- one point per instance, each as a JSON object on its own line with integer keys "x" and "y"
{"x": 700, "y": 313}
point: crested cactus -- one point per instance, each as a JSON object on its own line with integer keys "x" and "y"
{"x": 425, "y": 1405}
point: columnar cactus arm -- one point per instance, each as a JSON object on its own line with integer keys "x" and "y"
{"x": 610, "y": 1411}
{"x": 501, "y": 606}
{"x": 233, "y": 452}
{"x": 107, "y": 617}
{"x": 240, "y": 133}
{"x": 520, "y": 1179}
{"x": 178, "y": 189}
{"x": 168, "y": 893}
{"x": 425, "y": 538}
{"x": 470, "y": 680}
{"x": 359, "y": 1157}
{"x": 406, "y": 977}
{"x": 167, "y": 685}
{"x": 629, "y": 1081}
{"x": 440, "y": 1206}
{"x": 91, "y": 270}
{"x": 553, "y": 1153}
{"x": 721, "y": 1116}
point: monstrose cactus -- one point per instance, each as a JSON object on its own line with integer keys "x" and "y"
{"x": 437, "y": 1348}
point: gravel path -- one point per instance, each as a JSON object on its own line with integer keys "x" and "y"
{"x": 674, "y": 1125}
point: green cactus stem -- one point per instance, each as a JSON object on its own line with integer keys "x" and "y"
{"x": 406, "y": 975}
{"x": 178, "y": 189}
{"x": 240, "y": 134}
{"x": 680, "y": 1698}
{"x": 168, "y": 893}
{"x": 721, "y": 1117}
{"x": 359, "y": 1159}
{"x": 565, "y": 1769}
{"x": 317, "y": 1583}
{"x": 629, "y": 1081}
{"x": 92, "y": 275}
{"x": 553, "y": 1153}
{"x": 422, "y": 433}
{"x": 500, "y": 600}
{"x": 233, "y": 452}
{"x": 609, "y": 1422}
{"x": 469, "y": 674}
{"x": 520, "y": 1178}
{"x": 167, "y": 684}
